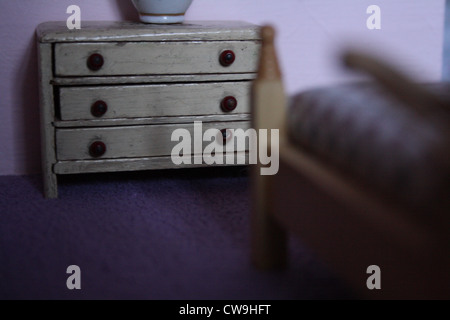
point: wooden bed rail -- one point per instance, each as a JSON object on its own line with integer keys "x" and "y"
{"x": 268, "y": 112}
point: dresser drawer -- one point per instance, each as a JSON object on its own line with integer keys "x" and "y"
{"x": 129, "y": 141}
{"x": 153, "y": 58}
{"x": 109, "y": 102}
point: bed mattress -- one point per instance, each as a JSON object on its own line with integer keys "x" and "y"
{"x": 367, "y": 132}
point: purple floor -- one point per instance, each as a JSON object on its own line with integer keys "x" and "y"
{"x": 179, "y": 234}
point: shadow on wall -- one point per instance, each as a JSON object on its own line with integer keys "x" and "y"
{"x": 27, "y": 104}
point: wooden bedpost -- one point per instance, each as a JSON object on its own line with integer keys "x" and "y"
{"x": 269, "y": 243}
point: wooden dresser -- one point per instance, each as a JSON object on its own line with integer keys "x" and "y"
{"x": 112, "y": 93}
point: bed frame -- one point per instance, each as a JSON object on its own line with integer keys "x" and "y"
{"x": 349, "y": 226}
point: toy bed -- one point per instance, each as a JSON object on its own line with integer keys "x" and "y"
{"x": 354, "y": 194}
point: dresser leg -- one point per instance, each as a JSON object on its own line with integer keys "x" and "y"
{"x": 50, "y": 185}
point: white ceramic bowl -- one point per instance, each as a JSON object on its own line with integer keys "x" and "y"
{"x": 162, "y": 11}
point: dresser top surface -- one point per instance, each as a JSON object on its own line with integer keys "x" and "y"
{"x": 116, "y": 31}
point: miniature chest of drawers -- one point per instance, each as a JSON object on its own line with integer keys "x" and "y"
{"x": 112, "y": 93}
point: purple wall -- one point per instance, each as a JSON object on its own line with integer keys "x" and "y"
{"x": 311, "y": 32}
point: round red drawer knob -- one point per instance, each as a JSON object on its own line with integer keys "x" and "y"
{"x": 97, "y": 149}
{"x": 95, "y": 62}
{"x": 229, "y": 104}
{"x": 99, "y": 108}
{"x": 227, "y": 58}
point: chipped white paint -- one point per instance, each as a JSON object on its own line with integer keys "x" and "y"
{"x": 134, "y": 164}
{"x": 151, "y": 120}
{"x": 114, "y": 31}
{"x": 69, "y": 81}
